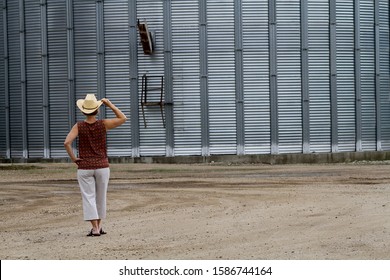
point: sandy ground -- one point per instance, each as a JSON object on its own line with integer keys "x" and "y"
{"x": 202, "y": 211}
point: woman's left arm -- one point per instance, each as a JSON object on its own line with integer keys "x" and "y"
{"x": 73, "y": 133}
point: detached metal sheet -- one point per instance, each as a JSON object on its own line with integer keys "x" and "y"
{"x": 117, "y": 72}
{"x": 384, "y": 40}
{"x": 152, "y": 137}
{"x": 319, "y": 69}
{"x": 289, "y": 76}
{"x": 16, "y": 126}
{"x": 368, "y": 75}
{"x": 221, "y": 77}
{"x": 186, "y": 77}
{"x": 256, "y": 77}
{"x": 346, "y": 113}
{"x": 34, "y": 79}
{"x": 58, "y": 76}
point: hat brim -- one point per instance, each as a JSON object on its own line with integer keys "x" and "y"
{"x": 80, "y": 103}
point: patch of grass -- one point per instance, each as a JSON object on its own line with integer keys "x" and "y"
{"x": 20, "y": 167}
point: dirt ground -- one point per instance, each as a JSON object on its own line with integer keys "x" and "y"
{"x": 200, "y": 211}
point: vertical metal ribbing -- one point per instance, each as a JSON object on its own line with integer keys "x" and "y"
{"x": 305, "y": 77}
{"x": 45, "y": 81}
{"x": 23, "y": 87}
{"x": 101, "y": 86}
{"x": 358, "y": 89}
{"x": 168, "y": 86}
{"x": 333, "y": 74}
{"x": 377, "y": 77}
{"x": 70, "y": 48}
{"x": 6, "y": 83}
{"x": 273, "y": 77}
{"x": 134, "y": 113}
{"x": 240, "y": 124}
{"x": 204, "y": 98}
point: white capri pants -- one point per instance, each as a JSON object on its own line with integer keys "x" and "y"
{"x": 93, "y": 186}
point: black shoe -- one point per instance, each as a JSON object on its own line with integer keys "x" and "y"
{"x": 93, "y": 234}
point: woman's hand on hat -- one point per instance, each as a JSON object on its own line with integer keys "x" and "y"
{"x": 106, "y": 101}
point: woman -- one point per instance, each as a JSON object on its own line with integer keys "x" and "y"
{"x": 93, "y": 168}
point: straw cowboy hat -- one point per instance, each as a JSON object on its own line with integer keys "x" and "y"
{"x": 89, "y": 104}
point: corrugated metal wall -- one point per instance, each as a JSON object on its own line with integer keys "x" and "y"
{"x": 85, "y": 49}
{"x": 384, "y": 39}
{"x": 117, "y": 72}
{"x": 240, "y": 76}
{"x": 186, "y": 77}
{"x": 16, "y": 83}
{"x": 256, "y": 76}
{"x": 221, "y": 77}
{"x": 367, "y": 60}
{"x": 58, "y": 76}
{"x": 3, "y": 61}
{"x": 34, "y": 79}
{"x": 152, "y": 137}
{"x": 345, "y": 76}
{"x": 318, "y": 22}
{"x": 289, "y": 91}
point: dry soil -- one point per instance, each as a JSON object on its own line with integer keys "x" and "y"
{"x": 200, "y": 211}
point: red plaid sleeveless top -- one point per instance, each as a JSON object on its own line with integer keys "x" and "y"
{"x": 92, "y": 145}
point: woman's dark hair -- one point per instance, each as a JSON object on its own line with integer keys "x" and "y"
{"x": 92, "y": 114}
